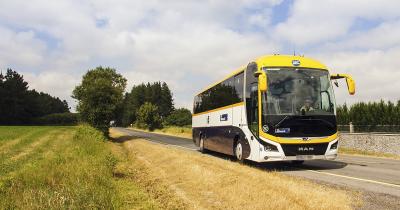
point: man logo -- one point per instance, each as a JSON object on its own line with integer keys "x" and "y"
{"x": 303, "y": 149}
{"x": 295, "y": 62}
{"x": 306, "y": 139}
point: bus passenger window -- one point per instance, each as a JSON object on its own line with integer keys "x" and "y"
{"x": 239, "y": 85}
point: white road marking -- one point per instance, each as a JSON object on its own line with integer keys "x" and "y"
{"x": 355, "y": 178}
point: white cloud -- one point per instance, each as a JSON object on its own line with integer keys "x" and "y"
{"x": 20, "y": 48}
{"x": 190, "y": 44}
{"x": 186, "y": 44}
{"x": 375, "y": 73}
{"x": 313, "y": 22}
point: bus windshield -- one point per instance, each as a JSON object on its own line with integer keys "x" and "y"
{"x": 298, "y": 102}
{"x": 299, "y": 91}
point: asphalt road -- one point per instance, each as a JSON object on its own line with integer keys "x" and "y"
{"x": 375, "y": 175}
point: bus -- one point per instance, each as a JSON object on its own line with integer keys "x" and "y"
{"x": 277, "y": 108}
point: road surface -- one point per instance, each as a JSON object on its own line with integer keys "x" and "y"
{"x": 375, "y": 175}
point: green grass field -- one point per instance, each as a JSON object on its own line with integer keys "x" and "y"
{"x": 62, "y": 168}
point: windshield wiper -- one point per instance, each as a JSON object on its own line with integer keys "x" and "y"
{"x": 280, "y": 122}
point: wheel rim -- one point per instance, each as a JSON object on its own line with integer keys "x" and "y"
{"x": 201, "y": 144}
{"x": 238, "y": 151}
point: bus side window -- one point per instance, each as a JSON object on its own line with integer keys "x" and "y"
{"x": 239, "y": 85}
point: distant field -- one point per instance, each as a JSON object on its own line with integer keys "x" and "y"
{"x": 62, "y": 168}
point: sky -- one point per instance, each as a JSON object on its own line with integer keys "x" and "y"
{"x": 191, "y": 43}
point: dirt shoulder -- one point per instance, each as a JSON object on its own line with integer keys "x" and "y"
{"x": 185, "y": 179}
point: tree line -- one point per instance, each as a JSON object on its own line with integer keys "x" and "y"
{"x": 371, "y": 113}
{"x": 102, "y": 102}
{"x": 20, "y": 106}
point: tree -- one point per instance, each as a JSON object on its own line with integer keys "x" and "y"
{"x": 156, "y": 93}
{"x": 179, "y": 117}
{"x": 166, "y": 102}
{"x": 13, "y": 99}
{"x": 99, "y": 95}
{"x": 148, "y": 116}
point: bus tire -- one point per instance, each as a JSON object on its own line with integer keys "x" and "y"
{"x": 201, "y": 144}
{"x": 238, "y": 151}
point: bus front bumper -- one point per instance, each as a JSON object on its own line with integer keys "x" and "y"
{"x": 299, "y": 157}
{"x": 329, "y": 152}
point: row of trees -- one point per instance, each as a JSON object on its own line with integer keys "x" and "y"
{"x": 101, "y": 100}
{"x": 157, "y": 94}
{"x": 371, "y": 113}
{"x": 19, "y": 105}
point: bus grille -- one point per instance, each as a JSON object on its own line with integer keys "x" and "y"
{"x": 304, "y": 149}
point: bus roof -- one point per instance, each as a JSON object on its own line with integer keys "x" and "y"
{"x": 276, "y": 61}
{"x": 287, "y": 61}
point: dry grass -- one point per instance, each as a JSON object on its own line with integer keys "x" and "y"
{"x": 133, "y": 172}
{"x": 351, "y": 151}
{"x": 196, "y": 181}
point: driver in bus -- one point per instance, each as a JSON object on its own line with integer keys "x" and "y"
{"x": 307, "y": 106}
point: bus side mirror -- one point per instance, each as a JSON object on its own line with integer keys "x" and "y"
{"x": 262, "y": 80}
{"x": 351, "y": 85}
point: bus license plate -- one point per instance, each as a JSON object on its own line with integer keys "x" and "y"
{"x": 305, "y": 157}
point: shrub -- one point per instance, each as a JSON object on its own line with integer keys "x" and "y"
{"x": 179, "y": 117}
{"x": 148, "y": 117}
{"x": 58, "y": 119}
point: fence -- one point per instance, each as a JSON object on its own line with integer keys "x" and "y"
{"x": 369, "y": 128}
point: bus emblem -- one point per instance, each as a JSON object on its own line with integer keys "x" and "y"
{"x": 223, "y": 117}
{"x": 295, "y": 62}
{"x": 306, "y": 138}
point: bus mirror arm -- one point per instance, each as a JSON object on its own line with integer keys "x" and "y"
{"x": 262, "y": 80}
{"x": 351, "y": 85}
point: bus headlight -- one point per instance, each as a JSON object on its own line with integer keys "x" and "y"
{"x": 334, "y": 145}
{"x": 270, "y": 147}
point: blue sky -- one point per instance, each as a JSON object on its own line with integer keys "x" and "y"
{"x": 190, "y": 44}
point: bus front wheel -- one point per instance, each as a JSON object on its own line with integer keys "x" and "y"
{"x": 239, "y": 151}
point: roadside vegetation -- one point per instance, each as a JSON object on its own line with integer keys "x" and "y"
{"x": 63, "y": 168}
{"x": 181, "y": 179}
{"x": 99, "y": 96}
{"x": 350, "y": 151}
{"x": 379, "y": 116}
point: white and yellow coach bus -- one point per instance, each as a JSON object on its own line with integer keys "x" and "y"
{"x": 278, "y": 107}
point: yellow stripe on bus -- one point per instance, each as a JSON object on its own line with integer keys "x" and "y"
{"x": 219, "y": 109}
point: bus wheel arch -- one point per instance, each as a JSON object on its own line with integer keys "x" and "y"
{"x": 245, "y": 146}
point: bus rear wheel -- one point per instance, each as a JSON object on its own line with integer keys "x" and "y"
{"x": 239, "y": 151}
{"x": 201, "y": 144}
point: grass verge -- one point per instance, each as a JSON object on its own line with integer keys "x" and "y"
{"x": 65, "y": 168}
{"x": 350, "y": 151}
{"x": 191, "y": 180}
